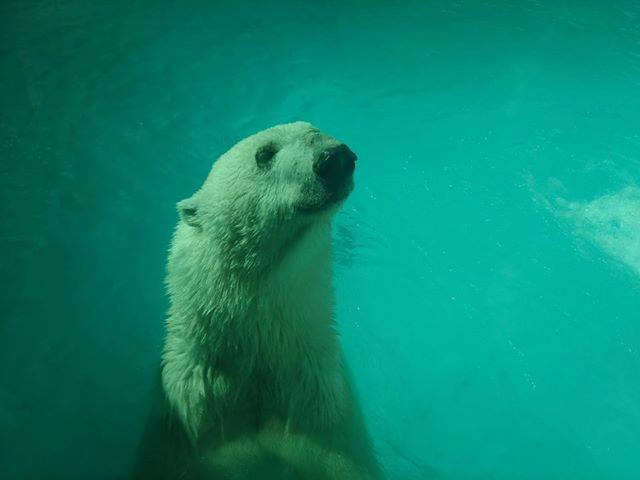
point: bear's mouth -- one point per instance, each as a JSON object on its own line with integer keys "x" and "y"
{"x": 327, "y": 201}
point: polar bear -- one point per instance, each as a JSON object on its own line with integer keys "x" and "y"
{"x": 253, "y": 375}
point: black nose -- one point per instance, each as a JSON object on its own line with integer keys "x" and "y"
{"x": 334, "y": 165}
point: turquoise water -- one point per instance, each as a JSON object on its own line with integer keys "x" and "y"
{"x": 488, "y": 261}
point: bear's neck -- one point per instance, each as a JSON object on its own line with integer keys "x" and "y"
{"x": 214, "y": 301}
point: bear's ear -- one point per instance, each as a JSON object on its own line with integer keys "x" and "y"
{"x": 188, "y": 210}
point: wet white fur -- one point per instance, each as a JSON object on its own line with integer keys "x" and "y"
{"x": 249, "y": 278}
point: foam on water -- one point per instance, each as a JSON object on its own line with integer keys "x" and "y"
{"x": 611, "y": 221}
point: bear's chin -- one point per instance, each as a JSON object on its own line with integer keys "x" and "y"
{"x": 321, "y": 209}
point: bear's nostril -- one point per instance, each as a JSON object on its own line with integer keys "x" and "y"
{"x": 335, "y": 164}
{"x": 323, "y": 164}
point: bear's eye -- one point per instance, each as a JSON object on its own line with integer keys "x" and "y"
{"x": 265, "y": 154}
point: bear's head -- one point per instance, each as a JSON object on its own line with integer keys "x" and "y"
{"x": 270, "y": 191}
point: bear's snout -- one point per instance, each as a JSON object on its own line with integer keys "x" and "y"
{"x": 335, "y": 165}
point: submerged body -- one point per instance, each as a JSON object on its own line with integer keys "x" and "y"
{"x": 253, "y": 373}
